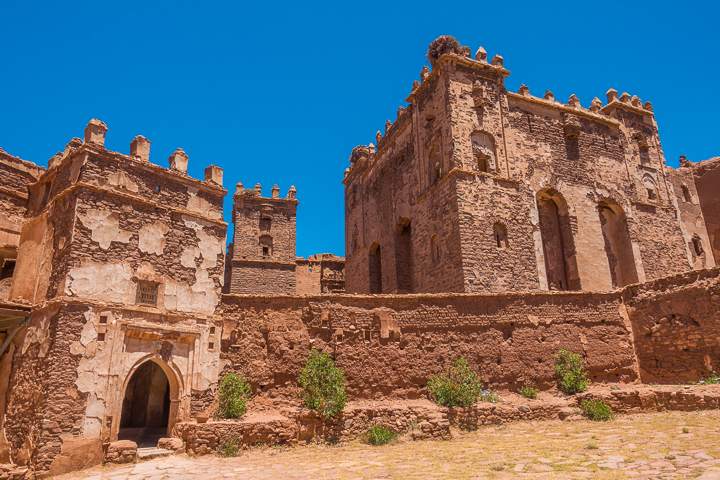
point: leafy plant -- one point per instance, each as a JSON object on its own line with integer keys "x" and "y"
{"x": 233, "y": 396}
{"x": 229, "y": 447}
{"x": 573, "y": 378}
{"x": 713, "y": 379}
{"x": 528, "y": 392}
{"x": 458, "y": 385}
{"x": 591, "y": 446}
{"x": 596, "y": 409}
{"x": 323, "y": 384}
{"x": 381, "y": 435}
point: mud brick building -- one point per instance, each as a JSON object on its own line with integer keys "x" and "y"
{"x": 476, "y": 189}
{"x": 496, "y": 226}
{"x": 263, "y": 259}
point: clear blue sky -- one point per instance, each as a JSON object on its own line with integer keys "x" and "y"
{"x": 280, "y": 92}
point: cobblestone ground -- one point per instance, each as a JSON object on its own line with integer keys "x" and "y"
{"x": 660, "y": 445}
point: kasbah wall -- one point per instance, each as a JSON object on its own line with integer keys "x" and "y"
{"x": 492, "y": 225}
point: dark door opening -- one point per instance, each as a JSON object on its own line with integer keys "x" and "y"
{"x": 146, "y": 406}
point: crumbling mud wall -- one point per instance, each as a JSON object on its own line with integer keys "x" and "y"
{"x": 389, "y": 346}
{"x": 676, "y": 325}
{"x": 475, "y": 189}
{"x": 72, "y": 366}
{"x": 707, "y": 179}
{"x": 323, "y": 273}
{"x": 692, "y": 221}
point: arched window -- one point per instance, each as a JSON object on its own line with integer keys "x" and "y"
{"x": 618, "y": 246}
{"x": 686, "y": 194}
{"x": 266, "y": 245}
{"x": 500, "y": 235}
{"x": 558, "y": 243}
{"x": 650, "y": 187}
{"x": 435, "y": 164}
{"x": 483, "y": 148}
{"x": 434, "y": 249}
{"x": 375, "y": 266}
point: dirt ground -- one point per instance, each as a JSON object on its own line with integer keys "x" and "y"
{"x": 657, "y": 445}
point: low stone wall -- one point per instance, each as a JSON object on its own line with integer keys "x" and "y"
{"x": 13, "y": 472}
{"x": 421, "y": 419}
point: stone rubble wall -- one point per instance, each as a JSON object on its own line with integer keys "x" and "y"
{"x": 425, "y": 420}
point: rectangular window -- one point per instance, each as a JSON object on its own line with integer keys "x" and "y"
{"x": 101, "y": 337}
{"x": 147, "y": 293}
{"x": 103, "y": 318}
{"x": 266, "y": 251}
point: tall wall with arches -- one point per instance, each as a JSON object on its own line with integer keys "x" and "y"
{"x": 509, "y": 191}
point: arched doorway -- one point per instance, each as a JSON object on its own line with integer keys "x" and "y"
{"x": 146, "y": 406}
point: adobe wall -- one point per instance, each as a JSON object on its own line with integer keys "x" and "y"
{"x": 676, "y": 325}
{"x": 692, "y": 220}
{"x": 16, "y": 175}
{"x": 73, "y": 364}
{"x": 390, "y": 345}
{"x": 707, "y": 179}
{"x": 323, "y": 273}
{"x": 467, "y": 159}
{"x": 263, "y": 261}
{"x": 111, "y": 221}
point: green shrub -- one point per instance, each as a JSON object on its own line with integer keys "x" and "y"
{"x": 528, "y": 392}
{"x": 233, "y": 396}
{"x": 229, "y": 447}
{"x": 713, "y": 379}
{"x": 596, "y": 409}
{"x": 459, "y": 386}
{"x": 573, "y": 378}
{"x": 323, "y": 384}
{"x": 381, "y": 435}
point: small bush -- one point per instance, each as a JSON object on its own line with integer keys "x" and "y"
{"x": 591, "y": 446}
{"x": 381, "y": 435}
{"x": 596, "y": 409}
{"x": 573, "y": 378}
{"x": 528, "y": 392}
{"x": 713, "y": 379}
{"x": 686, "y": 430}
{"x": 229, "y": 447}
{"x": 323, "y": 384}
{"x": 233, "y": 395}
{"x": 458, "y": 386}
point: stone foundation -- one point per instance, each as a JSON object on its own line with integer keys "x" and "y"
{"x": 422, "y": 419}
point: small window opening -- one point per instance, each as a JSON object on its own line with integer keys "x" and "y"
{"x": 265, "y": 224}
{"x": 367, "y": 335}
{"x": 103, "y": 319}
{"x": 697, "y": 245}
{"x": 147, "y": 293}
{"x": 500, "y": 233}
{"x": 686, "y": 194}
{"x": 211, "y": 345}
{"x": 8, "y": 269}
{"x": 212, "y": 330}
{"x": 309, "y": 270}
{"x": 651, "y": 194}
{"x": 266, "y": 251}
{"x": 101, "y": 337}
{"x": 158, "y": 188}
{"x": 434, "y": 249}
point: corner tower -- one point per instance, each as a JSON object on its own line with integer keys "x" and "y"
{"x": 263, "y": 251}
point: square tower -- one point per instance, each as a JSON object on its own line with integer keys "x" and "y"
{"x": 263, "y": 253}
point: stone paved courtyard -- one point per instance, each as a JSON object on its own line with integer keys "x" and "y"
{"x": 660, "y": 445}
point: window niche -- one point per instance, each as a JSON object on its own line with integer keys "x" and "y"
{"x": 686, "y": 194}
{"x": 500, "y": 235}
{"x": 435, "y": 164}
{"x": 434, "y": 249}
{"x": 483, "y": 148}
{"x": 266, "y": 245}
{"x": 697, "y": 245}
{"x": 650, "y": 188}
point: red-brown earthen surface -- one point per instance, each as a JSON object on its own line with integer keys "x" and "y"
{"x": 496, "y": 226}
